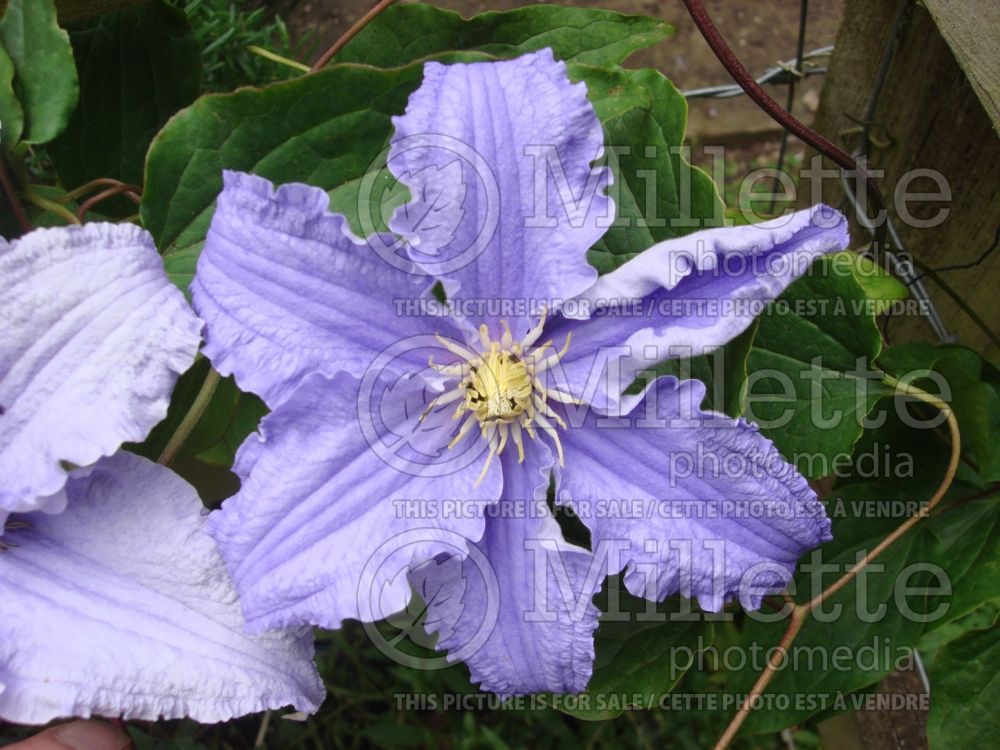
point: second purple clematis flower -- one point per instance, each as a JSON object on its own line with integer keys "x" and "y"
{"x": 411, "y": 445}
{"x": 115, "y": 601}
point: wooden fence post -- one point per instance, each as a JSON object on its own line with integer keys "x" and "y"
{"x": 939, "y": 109}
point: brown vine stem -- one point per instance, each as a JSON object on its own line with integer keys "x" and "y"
{"x": 799, "y": 612}
{"x": 348, "y": 35}
{"x": 93, "y": 185}
{"x": 121, "y": 189}
{"x": 191, "y": 419}
{"x": 735, "y": 67}
{"x": 49, "y": 205}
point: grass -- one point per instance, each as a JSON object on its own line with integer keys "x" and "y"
{"x": 226, "y": 28}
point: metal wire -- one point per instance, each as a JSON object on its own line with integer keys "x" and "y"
{"x": 888, "y": 52}
{"x": 779, "y": 74}
{"x": 790, "y": 101}
{"x": 903, "y": 270}
{"x": 886, "y": 237}
{"x": 972, "y": 263}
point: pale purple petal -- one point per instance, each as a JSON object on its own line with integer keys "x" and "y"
{"x": 121, "y": 606}
{"x": 692, "y": 502}
{"x": 93, "y": 338}
{"x": 505, "y": 203}
{"x": 337, "y": 501}
{"x": 285, "y": 289}
{"x": 518, "y": 609}
{"x": 685, "y": 297}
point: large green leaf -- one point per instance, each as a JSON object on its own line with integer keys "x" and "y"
{"x": 406, "y": 33}
{"x": 658, "y": 194}
{"x": 11, "y": 115}
{"x": 181, "y": 266}
{"x": 241, "y": 419}
{"x": 724, "y": 373}
{"x": 331, "y": 129}
{"x": 878, "y": 284}
{"x": 229, "y": 418}
{"x": 965, "y": 691}
{"x": 325, "y": 129}
{"x": 924, "y": 586}
{"x": 807, "y": 384}
{"x": 870, "y": 629}
{"x": 642, "y": 651}
{"x": 905, "y": 460}
{"x": 43, "y": 60}
{"x": 137, "y": 68}
{"x": 967, "y": 382}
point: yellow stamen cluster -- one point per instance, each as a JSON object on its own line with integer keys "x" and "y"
{"x": 500, "y": 388}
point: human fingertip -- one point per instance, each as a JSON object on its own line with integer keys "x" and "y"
{"x": 91, "y": 735}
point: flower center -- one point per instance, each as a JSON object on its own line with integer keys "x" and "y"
{"x": 500, "y": 388}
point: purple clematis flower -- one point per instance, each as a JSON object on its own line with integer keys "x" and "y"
{"x": 381, "y": 469}
{"x": 115, "y": 601}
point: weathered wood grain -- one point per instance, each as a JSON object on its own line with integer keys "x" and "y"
{"x": 972, "y": 30}
{"x": 928, "y": 116}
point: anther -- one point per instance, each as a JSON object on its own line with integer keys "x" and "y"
{"x": 499, "y": 389}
